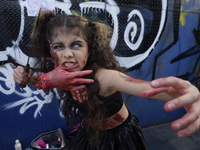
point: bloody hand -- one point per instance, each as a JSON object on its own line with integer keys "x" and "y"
{"x": 62, "y": 79}
{"x": 80, "y": 95}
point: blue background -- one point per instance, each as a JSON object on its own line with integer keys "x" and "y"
{"x": 176, "y": 53}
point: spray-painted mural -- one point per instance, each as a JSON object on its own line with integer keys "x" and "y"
{"x": 152, "y": 39}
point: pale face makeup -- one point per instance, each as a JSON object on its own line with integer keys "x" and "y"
{"x": 68, "y": 48}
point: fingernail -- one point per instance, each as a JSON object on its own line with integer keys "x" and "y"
{"x": 182, "y": 135}
{"x": 178, "y": 125}
{"x": 77, "y": 91}
{"x": 171, "y": 106}
{"x": 155, "y": 83}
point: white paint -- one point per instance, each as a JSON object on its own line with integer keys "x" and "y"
{"x": 64, "y": 6}
{"x": 129, "y": 62}
{"x": 111, "y": 8}
{"x": 33, "y": 6}
{"x": 15, "y": 51}
{"x": 7, "y": 79}
{"x": 133, "y": 25}
{"x": 31, "y": 97}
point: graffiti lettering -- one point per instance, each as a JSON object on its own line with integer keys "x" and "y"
{"x": 31, "y": 97}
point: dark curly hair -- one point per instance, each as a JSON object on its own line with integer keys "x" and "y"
{"x": 98, "y": 36}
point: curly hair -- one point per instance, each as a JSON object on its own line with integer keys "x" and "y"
{"x": 98, "y": 36}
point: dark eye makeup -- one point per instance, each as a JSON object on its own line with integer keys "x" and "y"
{"x": 61, "y": 46}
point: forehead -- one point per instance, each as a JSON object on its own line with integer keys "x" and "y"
{"x": 68, "y": 31}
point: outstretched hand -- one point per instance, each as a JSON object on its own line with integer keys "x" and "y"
{"x": 184, "y": 95}
{"x": 62, "y": 79}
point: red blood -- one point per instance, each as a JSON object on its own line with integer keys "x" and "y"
{"x": 62, "y": 31}
{"x": 54, "y": 58}
{"x": 118, "y": 118}
{"x": 85, "y": 58}
{"x": 133, "y": 80}
{"x": 112, "y": 122}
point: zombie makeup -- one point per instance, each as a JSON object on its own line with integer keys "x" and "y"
{"x": 133, "y": 80}
{"x": 69, "y": 48}
{"x": 110, "y": 123}
{"x": 54, "y": 57}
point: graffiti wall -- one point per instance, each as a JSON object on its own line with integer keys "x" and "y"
{"x": 152, "y": 39}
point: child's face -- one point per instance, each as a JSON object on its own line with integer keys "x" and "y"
{"x": 69, "y": 48}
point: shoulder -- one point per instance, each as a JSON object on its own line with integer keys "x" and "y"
{"x": 106, "y": 74}
{"x": 107, "y": 78}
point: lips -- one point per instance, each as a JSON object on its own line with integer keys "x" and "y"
{"x": 69, "y": 64}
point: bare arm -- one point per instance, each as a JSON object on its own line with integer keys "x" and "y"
{"x": 111, "y": 80}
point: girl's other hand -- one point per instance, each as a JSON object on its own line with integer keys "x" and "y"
{"x": 21, "y": 76}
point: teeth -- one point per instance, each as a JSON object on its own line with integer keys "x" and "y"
{"x": 69, "y": 64}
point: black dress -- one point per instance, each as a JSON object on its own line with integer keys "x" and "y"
{"x": 126, "y": 136}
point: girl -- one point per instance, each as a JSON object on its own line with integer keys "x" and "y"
{"x": 74, "y": 44}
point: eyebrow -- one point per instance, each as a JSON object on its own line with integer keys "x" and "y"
{"x": 75, "y": 41}
{"x": 78, "y": 41}
{"x": 56, "y": 43}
